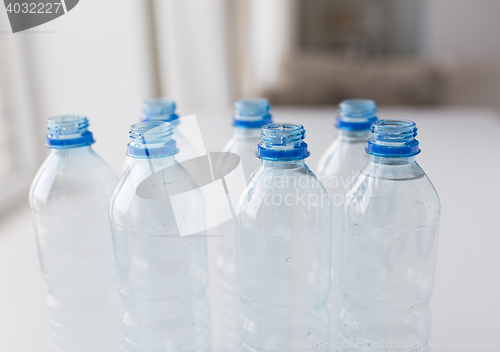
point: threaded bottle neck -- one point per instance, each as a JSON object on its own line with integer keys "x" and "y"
{"x": 152, "y": 139}
{"x": 393, "y": 139}
{"x": 68, "y": 131}
{"x": 159, "y": 109}
{"x": 356, "y": 114}
{"x": 283, "y": 142}
{"x": 251, "y": 113}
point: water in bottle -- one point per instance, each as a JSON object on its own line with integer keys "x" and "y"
{"x": 388, "y": 246}
{"x": 283, "y": 248}
{"x": 338, "y": 167}
{"x": 69, "y": 200}
{"x": 162, "y": 275}
{"x": 249, "y": 117}
{"x": 161, "y": 109}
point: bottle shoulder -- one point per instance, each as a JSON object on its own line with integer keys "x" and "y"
{"x": 74, "y": 180}
{"x": 142, "y": 197}
{"x": 284, "y": 200}
{"x": 154, "y": 175}
{"x": 401, "y": 195}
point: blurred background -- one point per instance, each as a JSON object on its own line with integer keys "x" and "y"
{"x": 105, "y": 57}
{"x": 429, "y": 59}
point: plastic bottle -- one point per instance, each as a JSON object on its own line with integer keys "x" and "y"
{"x": 337, "y": 169}
{"x": 162, "y": 276}
{"x": 249, "y": 117}
{"x": 283, "y": 248}
{"x": 161, "y": 109}
{"x": 69, "y": 200}
{"x": 388, "y": 246}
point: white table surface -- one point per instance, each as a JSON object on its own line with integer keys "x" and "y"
{"x": 459, "y": 154}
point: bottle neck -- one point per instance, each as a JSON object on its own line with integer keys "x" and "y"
{"x": 153, "y": 164}
{"x": 393, "y": 139}
{"x": 152, "y": 139}
{"x": 73, "y": 152}
{"x": 294, "y": 164}
{"x": 353, "y": 136}
{"x": 283, "y": 142}
{"x": 392, "y": 161}
{"x": 246, "y": 133}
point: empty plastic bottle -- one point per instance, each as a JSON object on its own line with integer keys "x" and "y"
{"x": 388, "y": 246}
{"x": 337, "y": 169}
{"x": 69, "y": 200}
{"x": 249, "y": 117}
{"x": 161, "y": 109}
{"x": 283, "y": 248}
{"x": 162, "y": 275}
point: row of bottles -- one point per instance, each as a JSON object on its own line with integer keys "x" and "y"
{"x": 308, "y": 263}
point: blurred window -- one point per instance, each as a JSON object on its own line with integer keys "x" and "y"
{"x": 360, "y": 28}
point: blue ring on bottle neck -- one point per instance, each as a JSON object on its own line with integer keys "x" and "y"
{"x": 409, "y": 149}
{"x": 356, "y": 114}
{"x": 355, "y": 126}
{"x": 393, "y": 139}
{"x": 143, "y": 152}
{"x": 173, "y": 119}
{"x": 68, "y": 131}
{"x": 282, "y": 142}
{"x": 86, "y": 138}
{"x": 298, "y": 153}
{"x": 265, "y": 119}
{"x": 152, "y": 139}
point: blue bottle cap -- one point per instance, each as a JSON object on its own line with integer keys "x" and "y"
{"x": 356, "y": 114}
{"x": 68, "y": 131}
{"x": 393, "y": 138}
{"x": 159, "y": 109}
{"x": 283, "y": 142}
{"x": 252, "y": 113}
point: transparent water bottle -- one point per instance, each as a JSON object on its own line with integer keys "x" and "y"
{"x": 249, "y": 117}
{"x": 162, "y": 275}
{"x": 337, "y": 169}
{"x": 388, "y": 246}
{"x": 69, "y": 200}
{"x": 161, "y": 109}
{"x": 283, "y": 248}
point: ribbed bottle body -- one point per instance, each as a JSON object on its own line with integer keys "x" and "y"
{"x": 69, "y": 200}
{"x": 163, "y": 276}
{"x": 283, "y": 252}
